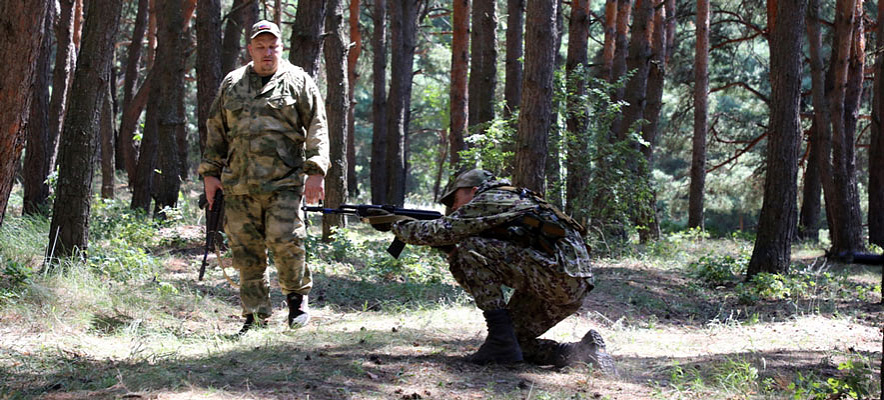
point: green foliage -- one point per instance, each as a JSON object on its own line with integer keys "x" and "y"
{"x": 719, "y": 270}
{"x": 856, "y": 381}
{"x": 490, "y": 146}
{"x": 111, "y": 218}
{"x": 805, "y": 284}
{"x": 14, "y": 278}
{"x": 22, "y": 242}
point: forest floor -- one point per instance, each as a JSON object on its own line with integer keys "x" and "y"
{"x": 383, "y": 329}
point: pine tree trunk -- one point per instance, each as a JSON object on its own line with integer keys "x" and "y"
{"x": 483, "y": 63}
{"x": 555, "y": 186}
{"x": 839, "y": 181}
{"x": 876, "y": 150}
{"x": 38, "y": 153}
{"x": 537, "y": 91}
{"x": 306, "y": 41}
{"x": 514, "y": 51}
{"x": 106, "y": 133}
{"x": 821, "y": 133}
{"x": 379, "y": 104}
{"x": 352, "y": 77}
{"x": 403, "y": 29}
{"x": 70, "y": 214}
{"x": 232, "y": 43}
{"x": 460, "y": 60}
{"x": 701, "y": 93}
{"x": 62, "y": 74}
{"x": 610, "y": 43}
{"x": 575, "y": 68}
{"x": 167, "y": 101}
{"x": 776, "y": 223}
{"x": 133, "y": 60}
{"x": 336, "y": 109}
{"x": 638, "y": 63}
{"x": 15, "y": 85}
{"x": 208, "y": 61}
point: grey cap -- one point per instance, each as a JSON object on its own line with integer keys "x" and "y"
{"x": 471, "y": 178}
{"x": 264, "y": 26}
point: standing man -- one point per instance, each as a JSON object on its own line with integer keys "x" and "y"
{"x": 267, "y": 131}
{"x": 505, "y": 235}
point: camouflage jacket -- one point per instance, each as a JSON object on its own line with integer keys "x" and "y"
{"x": 495, "y": 205}
{"x": 261, "y": 138}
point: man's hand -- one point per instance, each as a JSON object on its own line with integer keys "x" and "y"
{"x": 212, "y": 184}
{"x": 314, "y": 188}
{"x": 379, "y": 219}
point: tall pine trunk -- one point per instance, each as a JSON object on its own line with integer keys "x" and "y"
{"x": 167, "y": 101}
{"x": 537, "y": 91}
{"x": 460, "y": 61}
{"x": 306, "y": 41}
{"x": 379, "y": 104}
{"x": 514, "y": 51}
{"x": 701, "y": 94}
{"x": 208, "y": 61}
{"x": 576, "y": 138}
{"x": 37, "y": 152}
{"x": 15, "y": 84}
{"x": 779, "y": 210}
{"x": 876, "y": 150}
{"x": 69, "y": 229}
{"x": 133, "y": 61}
{"x": 403, "y": 29}
{"x": 352, "y": 77}
{"x": 336, "y": 108}
{"x": 483, "y": 62}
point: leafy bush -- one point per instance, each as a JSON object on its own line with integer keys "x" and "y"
{"x": 855, "y": 382}
{"x": 14, "y": 277}
{"x": 717, "y": 271}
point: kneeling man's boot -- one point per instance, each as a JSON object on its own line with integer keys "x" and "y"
{"x": 250, "y": 323}
{"x": 298, "y": 315}
{"x": 589, "y": 350}
{"x": 501, "y": 345}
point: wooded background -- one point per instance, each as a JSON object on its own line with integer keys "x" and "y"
{"x": 635, "y": 116}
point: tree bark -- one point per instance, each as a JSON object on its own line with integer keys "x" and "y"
{"x": 483, "y": 63}
{"x": 656, "y": 80}
{"x": 70, "y": 214}
{"x": 537, "y": 91}
{"x": 379, "y": 103}
{"x": 638, "y": 62}
{"x": 809, "y": 217}
{"x": 167, "y": 102}
{"x": 458, "y": 94}
{"x": 352, "y": 77}
{"x": 62, "y": 74}
{"x": 839, "y": 181}
{"x": 232, "y": 47}
{"x": 403, "y": 31}
{"x": 701, "y": 93}
{"x": 610, "y": 43}
{"x": 555, "y": 141}
{"x": 38, "y": 153}
{"x": 776, "y": 223}
{"x": 106, "y": 133}
{"x": 306, "y": 41}
{"x": 621, "y": 50}
{"x": 337, "y": 110}
{"x": 133, "y": 60}
{"x": 15, "y": 83}
{"x": 876, "y": 150}
{"x": 821, "y": 133}
{"x": 513, "y": 86}
{"x": 208, "y": 61}
{"x": 575, "y": 67}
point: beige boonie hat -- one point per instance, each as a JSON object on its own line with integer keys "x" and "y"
{"x": 471, "y": 178}
{"x": 264, "y": 26}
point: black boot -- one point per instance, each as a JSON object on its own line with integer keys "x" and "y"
{"x": 501, "y": 345}
{"x": 589, "y": 350}
{"x": 298, "y": 316}
{"x": 250, "y": 323}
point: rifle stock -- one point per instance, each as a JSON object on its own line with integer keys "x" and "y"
{"x": 213, "y": 219}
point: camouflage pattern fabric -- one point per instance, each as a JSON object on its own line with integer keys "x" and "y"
{"x": 255, "y": 223}
{"x": 262, "y": 138}
{"x": 548, "y": 287}
{"x": 491, "y": 207}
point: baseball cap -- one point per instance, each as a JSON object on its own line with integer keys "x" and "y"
{"x": 471, "y": 178}
{"x": 264, "y": 26}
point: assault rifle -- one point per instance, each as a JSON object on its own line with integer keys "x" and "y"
{"x": 213, "y": 220}
{"x": 860, "y": 258}
{"x": 370, "y": 210}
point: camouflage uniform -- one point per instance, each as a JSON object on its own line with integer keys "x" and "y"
{"x": 548, "y": 287}
{"x": 262, "y": 140}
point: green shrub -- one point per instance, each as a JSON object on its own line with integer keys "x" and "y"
{"x": 717, "y": 271}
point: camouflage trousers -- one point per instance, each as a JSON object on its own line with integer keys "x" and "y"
{"x": 543, "y": 296}
{"x": 256, "y": 223}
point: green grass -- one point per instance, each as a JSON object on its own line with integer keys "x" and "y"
{"x": 677, "y": 314}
